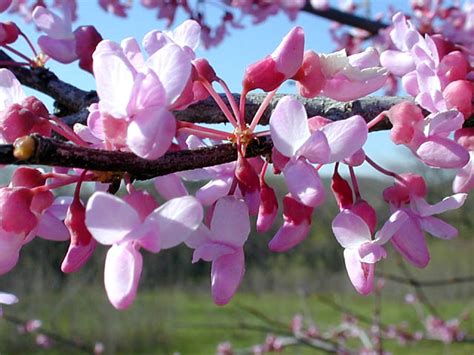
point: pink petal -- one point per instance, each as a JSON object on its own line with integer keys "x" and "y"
{"x": 289, "y": 126}
{"x": 114, "y": 77}
{"x": 109, "y": 219}
{"x": 77, "y": 255}
{"x": 10, "y": 89}
{"x": 304, "y": 183}
{"x": 350, "y": 230}
{"x": 442, "y": 153}
{"x": 410, "y": 242}
{"x": 200, "y": 236}
{"x": 316, "y": 149}
{"x": 10, "y": 245}
{"x": 173, "y": 67}
{"x": 464, "y": 179}
{"x": 288, "y": 236}
{"x": 8, "y": 298}
{"x": 147, "y": 92}
{"x": 170, "y": 186}
{"x": 211, "y": 251}
{"x": 132, "y": 51}
{"x": 226, "y": 274}
{"x": 399, "y": 63}
{"x": 51, "y": 228}
{"x": 151, "y": 132}
{"x": 448, "y": 203}
{"x": 230, "y": 222}
{"x": 445, "y": 122}
{"x": 62, "y": 50}
{"x": 289, "y": 54}
{"x": 345, "y": 137}
{"x": 360, "y": 274}
{"x": 123, "y": 266}
{"x": 188, "y": 34}
{"x": 390, "y": 227}
{"x": 370, "y": 253}
{"x": 51, "y": 24}
{"x": 438, "y": 228}
{"x": 213, "y": 190}
{"x": 176, "y": 220}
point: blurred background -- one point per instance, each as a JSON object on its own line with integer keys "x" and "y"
{"x": 173, "y": 312}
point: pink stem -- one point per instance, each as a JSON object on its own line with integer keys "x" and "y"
{"x": 261, "y": 134}
{"x": 64, "y": 130}
{"x": 21, "y": 55}
{"x": 383, "y": 170}
{"x": 261, "y": 110}
{"x": 29, "y": 43}
{"x": 11, "y": 63}
{"x": 230, "y": 97}
{"x": 355, "y": 184}
{"x": 380, "y": 117}
{"x": 219, "y": 102}
{"x": 203, "y": 131}
{"x": 243, "y": 97}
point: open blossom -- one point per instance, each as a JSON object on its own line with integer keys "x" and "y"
{"x": 136, "y": 95}
{"x": 361, "y": 252}
{"x": 409, "y": 196}
{"x": 293, "y": 138}
{"x": 222, "y": 244}
{"x": 130, "y": 224}
{"x": 339, "y": 76}
{"x": 428, "y": 137}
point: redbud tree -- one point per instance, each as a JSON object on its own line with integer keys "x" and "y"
{"x": 144, "y": 121}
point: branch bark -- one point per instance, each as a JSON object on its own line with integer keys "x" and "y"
{"x": 344, "y": 18}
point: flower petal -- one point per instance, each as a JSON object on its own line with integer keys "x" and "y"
{"x": 438, "y": 228}
{"x": 304, "y": 183}
{"x": 350, "y": 230}
{"x": 288, "y": 236}
{"x": 289, "y": 126}
{"x": 226, "y": 274}
{"x": 230, "y": 222}
{"x": 109, "y": 219}
{"x": 151, "y": 132}
{"x": 176, "y": 220}
{"x": 123, "y": 266}
{"x": 410, "y": 242}
{"x": 360, "y": 274}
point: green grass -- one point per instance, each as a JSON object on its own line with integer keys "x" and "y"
{"x": 172, "y": 321}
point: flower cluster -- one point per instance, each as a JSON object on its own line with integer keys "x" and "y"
{"x": 139, "y": 93}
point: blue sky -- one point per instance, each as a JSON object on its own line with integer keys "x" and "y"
{"x": 230, "y": 58}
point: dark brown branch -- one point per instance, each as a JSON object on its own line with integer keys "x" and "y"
{"x": 51, "y": 152}
{"x": 344, "y": 18}
{"x": 45, "y": 81}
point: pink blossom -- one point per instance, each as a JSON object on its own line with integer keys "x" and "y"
{"x": 4, "y": 5}
{"x": 361, "y": 252}
{"x": 409, "y": 240}
{"x": 132, "y": 224}
{"x": 222, "y": 244}
{"x": 269, "y": 73}
{"x": 464, "y": 179}
{"x": 356, "y": 72}
{"x": 293, "y": 138}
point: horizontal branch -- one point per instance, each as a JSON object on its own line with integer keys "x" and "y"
{"x": 52, "y": 152}
{"x": 427, "y": 283}
{"x": 345, "y": 18}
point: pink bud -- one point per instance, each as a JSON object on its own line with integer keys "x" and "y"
{"x": 268, "y": 208}
{"x": 87, "y": 38}
{"x": 459, "y": 95}
{"x": 27, "y": 177}
{"x": 465, "y": 137}
{"x": 249, "y": 183}
{"x": 9, "y": 32}
{"x": 4, "y": 5}
{"x": 342, "y": 191}
{"x": 270, "y": 72}
{"x": 204, "y": 69}
{"x": 310, "y": 78}
{"x": 367, "y": 213}
{"x": 15, "y": 210}
{"x": 454, "y": 66}
{"x": 412, "y": 184}
{"x": 82, "y": 244}
{"x": 404, "y": 116}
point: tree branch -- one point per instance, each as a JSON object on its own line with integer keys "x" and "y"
{"x": 52, "y": 152}
{"x": 344, "y": 18}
